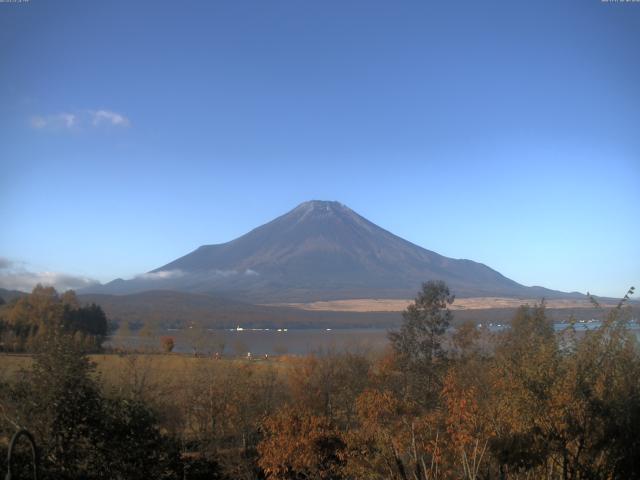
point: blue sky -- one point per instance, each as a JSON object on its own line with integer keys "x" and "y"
{"x": 504, "y": 132}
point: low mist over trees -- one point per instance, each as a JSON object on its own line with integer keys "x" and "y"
{"x": 26, "y": 321}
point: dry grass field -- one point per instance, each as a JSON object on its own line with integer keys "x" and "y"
{"x": 10, "y": 364}
{"x": 398, "y": 305}
{"x": 144, "y": 369}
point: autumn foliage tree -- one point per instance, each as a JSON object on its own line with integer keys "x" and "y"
{"x": 167, "y": 344}
{"x": 299, "y": 446}
{"x": 467, "y": 432}
{"x": 396, "y": 439}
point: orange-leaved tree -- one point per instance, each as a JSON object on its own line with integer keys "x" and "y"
{"x": 300, "y": 445}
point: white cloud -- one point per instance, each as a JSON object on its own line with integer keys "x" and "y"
{"x": 111, "y": 118}
{"x": 67, "y": 119}
{"x": 15, "y": 276}
{"x": 85, "y": 118}
{"x": 230, "y": 273}
{"x": 225, "y": 273}
{"x": 57, "y": 121}
{"x": 38, "y": 122}
{"x": 161, "y": 275}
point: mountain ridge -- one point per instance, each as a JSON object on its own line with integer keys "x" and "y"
{"x": 321, "y": 250}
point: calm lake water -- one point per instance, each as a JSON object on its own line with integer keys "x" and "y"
{"x": 292, "y": 341}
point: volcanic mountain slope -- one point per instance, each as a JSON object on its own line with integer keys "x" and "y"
{"x": 319, "y": 251}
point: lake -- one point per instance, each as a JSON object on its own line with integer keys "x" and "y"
{"x": 285, "y": 341}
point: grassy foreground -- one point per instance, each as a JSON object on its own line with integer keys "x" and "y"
{"x": 113, "y": 368}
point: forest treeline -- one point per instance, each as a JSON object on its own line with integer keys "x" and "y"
{"x": 27, "y": 320}
{"x": 526, "y": 403}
